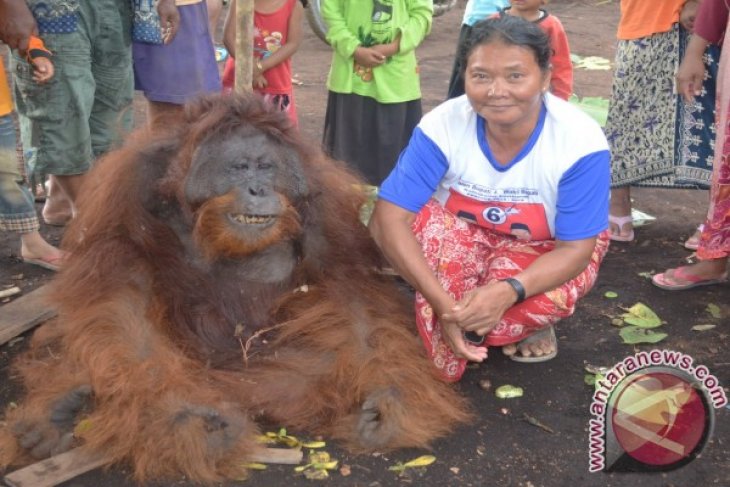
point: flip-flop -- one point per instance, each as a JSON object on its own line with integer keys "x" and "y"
{"x": 52, "y": 264}
{"x": 681, "y": 274}
{"x": 620, "y": 221}
{"x": 548, "y": 333}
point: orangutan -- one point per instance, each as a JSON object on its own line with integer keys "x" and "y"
{"x": 220, "y": 277}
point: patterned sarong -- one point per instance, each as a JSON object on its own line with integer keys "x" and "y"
{"x": 656, "y": 138}
{"x": 465, "y": 256}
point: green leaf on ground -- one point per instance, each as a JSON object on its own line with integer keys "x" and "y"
{"x": 636, "y": 334}
{"x": 714, "y": 310}
{"x": 421, "y": 461}
{"x": 642, "y": 316}
{"x": 611, "y": 294}
{"x": 703, "y": 327}
{"x": 592, "y": 63}
{"x": 508, "y": 391}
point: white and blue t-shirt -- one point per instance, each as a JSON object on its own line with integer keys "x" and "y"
{"x": 556, "y": 187}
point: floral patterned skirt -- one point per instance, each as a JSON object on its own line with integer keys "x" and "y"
{"x": 715, "y": 239}
{"x": 465, "y": 256}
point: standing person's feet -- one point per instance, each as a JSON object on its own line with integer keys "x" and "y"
{"x": 57, "y": 210}
{"x": 703, "y": 273}
{"x": 36, "y": 251}
{"x": 620, "y": 224}
{"x": 693, "y": 242}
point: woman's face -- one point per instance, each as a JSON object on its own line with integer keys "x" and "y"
{"x": 504, "y": 84}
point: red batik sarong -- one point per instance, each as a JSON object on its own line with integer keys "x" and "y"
{"x": 465, "y": 256}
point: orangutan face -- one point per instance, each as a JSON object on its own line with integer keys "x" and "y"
{"x": 242, "y": 187}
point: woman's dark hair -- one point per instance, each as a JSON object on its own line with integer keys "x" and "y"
{"x": 511, "y": 30}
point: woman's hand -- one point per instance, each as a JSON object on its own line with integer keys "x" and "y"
{"x": 691, "y": 70}
{"x": 368, "y": 57}
{"x": 453, "y": 334}
{"x": 482, "y": 308}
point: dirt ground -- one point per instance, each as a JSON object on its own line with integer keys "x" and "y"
{"x": 500, "y": 448}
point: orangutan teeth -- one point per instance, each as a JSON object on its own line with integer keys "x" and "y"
{"x": 252, "y": 219}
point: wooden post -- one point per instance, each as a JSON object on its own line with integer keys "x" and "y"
{"x": 244, "y": 46}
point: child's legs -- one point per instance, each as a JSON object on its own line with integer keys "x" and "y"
{"x": 17, "y": 212}
{"x": 541, "y": 310}
{"x": 451, "y": 248}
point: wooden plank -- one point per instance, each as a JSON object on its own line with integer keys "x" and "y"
{"x": 63, "y": 467}
{"x": 54, "y": 470}
{"x": 24, "y": 313}
{"x": 282, "y": 456}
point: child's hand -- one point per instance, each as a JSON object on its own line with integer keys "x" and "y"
{"x": 259, "y": 82}
{"x": 368, "y": 57}
{"x": 42, "y": 69}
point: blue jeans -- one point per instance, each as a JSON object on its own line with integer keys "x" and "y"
{"x": 17, "y": 212}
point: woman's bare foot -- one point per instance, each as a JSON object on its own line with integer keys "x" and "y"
{"x": 538, "y": 347}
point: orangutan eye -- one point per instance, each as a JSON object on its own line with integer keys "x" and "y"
{"x": 265, "y": 165}
{"x": 240, "y": 166}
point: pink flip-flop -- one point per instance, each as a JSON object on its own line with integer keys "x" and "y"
{"x": 50, "y": 263}
{"x": 620, "y": 221}
{"x": 683, "y": 279}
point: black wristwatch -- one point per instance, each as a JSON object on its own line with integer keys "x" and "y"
{"x": 518, "y": 287}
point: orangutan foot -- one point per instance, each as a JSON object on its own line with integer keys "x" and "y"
{"x": 373, "y": 427}
{"x": 223, "y": 428}
{"x": 44, "y": 439}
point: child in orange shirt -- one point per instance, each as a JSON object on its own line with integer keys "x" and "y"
{"x": 561, "y": 82}
{"x": 17, "y": 213}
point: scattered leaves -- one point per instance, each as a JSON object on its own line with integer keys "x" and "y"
{"x": 282, "y": 438}
{"x": 642, "y": 316}
{"x": 592, "y": 63}
{"x": 485, "y": 384}
{"x": 421, "y": 461}
{"x": 345, "y": 470}
{"x": 366, "y": 210}
{"x": 455, "y": 470}
{"x": 611, "y": 294}
{"x": 714, "y": 310}
{"x": 255, "y": 466}
{"x": 319, "y": 463}
{"x": 703, "y": 327}
{"x": 508, "y": 391}
{"x": 617, "y": 322}
{"x": 646, "y": 275}
{"x": 636, "y": 334}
